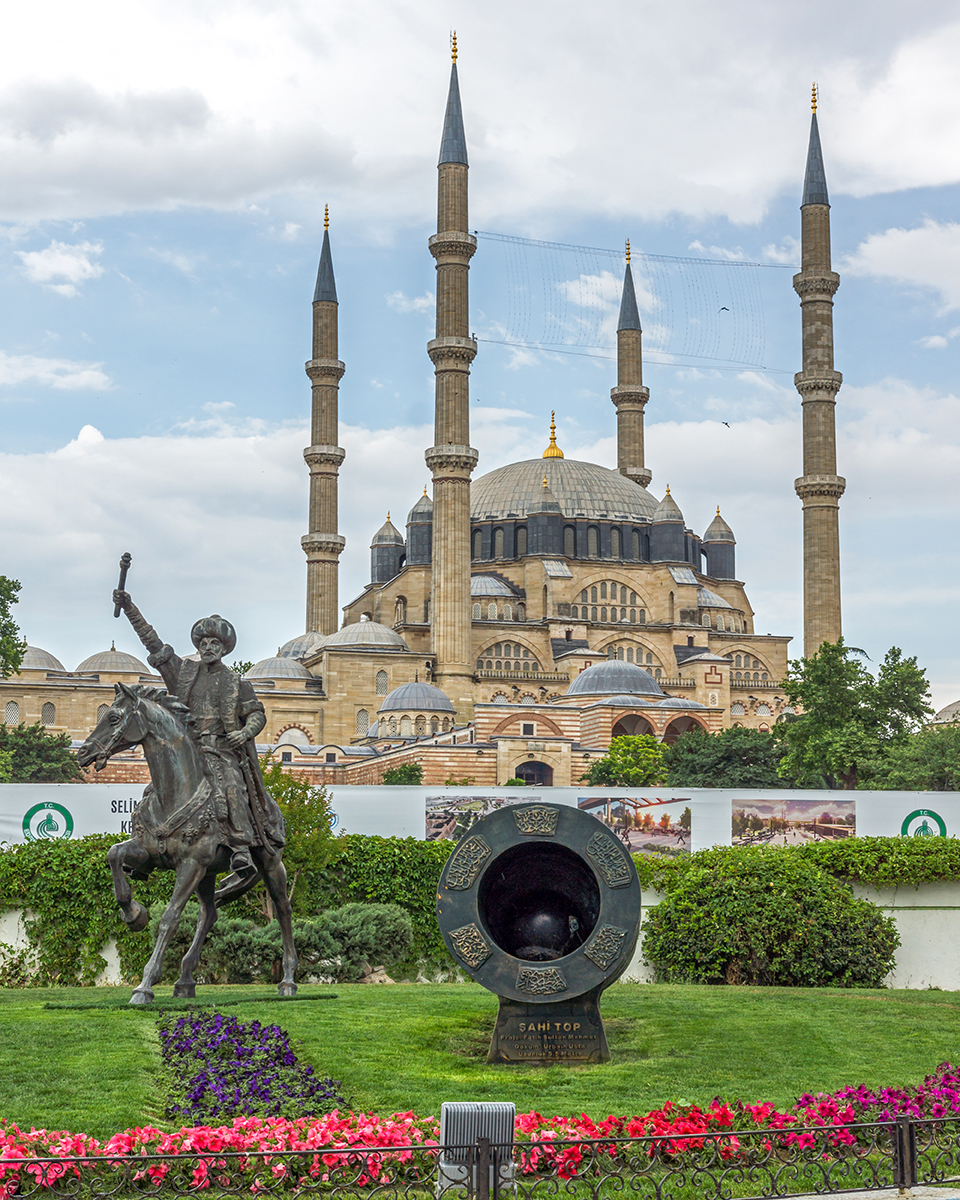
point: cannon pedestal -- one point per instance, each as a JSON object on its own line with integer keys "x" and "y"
{"x": 541, "y": 905}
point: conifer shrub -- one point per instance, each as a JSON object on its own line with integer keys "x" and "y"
{"x": 768, "y": 919}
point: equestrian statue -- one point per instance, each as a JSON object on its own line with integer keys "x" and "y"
{"x": 206, "y": 810}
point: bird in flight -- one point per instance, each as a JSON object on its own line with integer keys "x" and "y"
{"x": 727, "y": 423}
{"x": 724, "y": 309}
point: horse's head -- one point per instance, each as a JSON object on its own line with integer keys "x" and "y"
{"x": 130, "y": 719}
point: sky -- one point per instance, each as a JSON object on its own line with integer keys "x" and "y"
{"x": 163, "y": 174}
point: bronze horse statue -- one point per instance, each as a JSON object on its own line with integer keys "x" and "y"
{"x": 175, "y": 828}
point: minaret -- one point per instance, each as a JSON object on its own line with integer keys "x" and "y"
{"x": 820, "y": 487}
{"x": 630, "y": 396}
{"x": 323, "y": 545}
{"x": 451, "y": 459}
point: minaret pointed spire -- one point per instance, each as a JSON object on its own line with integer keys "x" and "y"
{"x": 323, "y": 545}
{"x": 453, "y": 143}
{"x": 820, "y": 487}
{"x": 630, "y": 396}
{"x": 326, "y": 289}
{"x": 814, "y": 178}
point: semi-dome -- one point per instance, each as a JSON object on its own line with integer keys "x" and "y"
{"x": 304, "y": 646}
{"x": 613, "y": 678}
{"x": 364, "y": 635}
{"x": 580, "y": 489}
{"x": 416, "y": 698}
{"x": 113, "y": 662}
{"x": 490, "y": 585}
{"x": 35, "y": 659}
{"x": 279, "y": 667}
{"x": 708, "y": 599}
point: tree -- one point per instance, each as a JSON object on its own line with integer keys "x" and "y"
{"x": 306, "y": 810}
{"x": 737, "y": 757}
{"x": 850, "y": 721}
{"x": 32, "y": 755}
{"x": 928, "y": 761}
{"x": 635, "y": 761}
{"x": 12, "y": 645}
{"x": 241, "y": 666}
{"x": 410, "y": 773}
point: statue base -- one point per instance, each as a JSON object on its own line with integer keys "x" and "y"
{"x": 560, "y": 1031}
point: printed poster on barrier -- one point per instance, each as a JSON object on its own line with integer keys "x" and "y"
{"x": 644, "y": 824}
{"x": 790, "y": 821}
{"x": 450, "y": 817}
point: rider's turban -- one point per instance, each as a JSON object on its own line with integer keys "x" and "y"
{"x": 215, "y": 626}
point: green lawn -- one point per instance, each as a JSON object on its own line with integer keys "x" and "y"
{"x": 411, "y": 1047}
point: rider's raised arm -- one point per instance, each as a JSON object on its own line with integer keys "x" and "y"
{"x": 251, "y": 713}
{"x": 161, "y": 656}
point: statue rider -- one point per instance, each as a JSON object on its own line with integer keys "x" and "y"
{"x": 227, "y": 716}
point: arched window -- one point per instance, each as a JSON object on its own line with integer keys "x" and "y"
{"x": 763, "y": 675}
{"x": 593, "y": 542}
{"x": 721, "y": 625}
{"x": 381, "y": 683}
{"x": 521, "y": 612}
{"x": 526, "y": 698}
{"x": 507, "y": 613}
{"x": 102, "y": 711}
{"x": 363, "y": 722}
{"x": 756, "y": 676}
{"x": 636, "y": 543}
{"x": 406, "y": 727}
{"x": 620, "y": 653}
{"x": 593, "y": 612}
{"x": 434, "y": 725}
{"x": 11, "y": 713}
{"x": 657, "y": 673}
{"x": 593, "y": 595}
{"x": 763, "y": 710}
{"x": 500, "y": 698}
{"x": 603, "y": 614}
{"x": 491, "y": 611}
{"x": 706, "y": 619}
{"x": 646, "y": 547}
{"x": 737, "y": 710}
{"x": 569, "y": 541}
{"x": 48, "y": 714}
{"x": 393, "y": 726}
{"x": 400, "y": 611}
{"x": 446, "y": 724}
{"x": 420, "y": 726}
{"x": 670, "y": 608}
{"x": 642, "y": 616}
{"x": 477, "y": 612}
{"x": 614, "y": 543}
{"x": 498, "y": 543}
{"x": 584, "y": 597}
{"x": 521, "y": 541}
{"x": 629, "y": 654}
{"x": 603, "y": 591}
{"x": 477, "y": 543}
{"x": 545, "y": 600}
{"x": 737, "y": 662}
{"x": 574, "y": 611}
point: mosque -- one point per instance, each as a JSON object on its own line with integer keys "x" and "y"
{"x": 519, "y": 621}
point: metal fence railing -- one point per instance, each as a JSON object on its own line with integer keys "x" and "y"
{"x": 750, "y": 1164}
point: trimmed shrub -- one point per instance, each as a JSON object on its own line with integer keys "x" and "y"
{"x": 770, "y": 919}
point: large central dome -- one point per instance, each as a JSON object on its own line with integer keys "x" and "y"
{"x": 581, "y": 489}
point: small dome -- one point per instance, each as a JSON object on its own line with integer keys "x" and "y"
{"x": 490, "y": 585}
{"x": 304, "y": 646}
{"x": 668, "y": 509}
{"x": 36, "y": 659}
{"x": 719, "y": 531}
{"x": 387, "y": 535}
{"x": 621, "y": 702}
{"x": 364, "y": 635}
{"x": 422, "y": 511}
{"x": 279, "y": 667}
{"x": 416, "y": 698}
{"x": 708, "y": 599}
{"x": 679, "y": 702}
{"x": 113, "y": 662}
{"x": 946, "y": 716}
{"x": 614, "y": 678}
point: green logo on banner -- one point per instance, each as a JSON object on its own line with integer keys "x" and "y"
{"x": 47, "y": 820}
{"x": 923, "y": 822}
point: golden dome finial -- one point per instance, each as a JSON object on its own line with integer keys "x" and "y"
{"x": 326, "y": 216}
{"x": 814, "y": 93}
{"x": 718, "y": 510}
{"x": 628, "y": 252}
{"x": 553, "y": 450}
{"x": 668, "y": 489}
{"x": 544, "y": 481}
{"x": 425, "y": 492}
{"x": 388, "y": 516}
{"x": 453, "y": 45}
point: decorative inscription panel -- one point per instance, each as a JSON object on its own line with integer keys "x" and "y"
{"x": 470, "y": 945}
{"x": 610, "y": 860}
{"x": 468, "y": 859}
{"x": 539, "y": 820}
{"x": 536, "y": 981}
{"x": 607, "y": 946}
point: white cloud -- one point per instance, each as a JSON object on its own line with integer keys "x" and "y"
{"x": 176, "y": 258}
{"x": 290, "y": 231}
{"x": 72, "y": 265}
{"x": 926, "y": 256}
{"x": 401, "y": 303}
{"x": 61, "y": 373}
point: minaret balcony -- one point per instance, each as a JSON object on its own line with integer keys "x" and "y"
{"x": 318, "y": 457}
{"x": 452, "y": 244}
{"x": 331, "y": 369}
{"x": 445, "y": 349}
